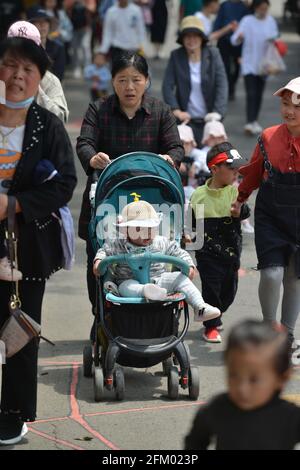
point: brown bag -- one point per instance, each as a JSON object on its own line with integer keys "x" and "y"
{"x": 20, "y": 328}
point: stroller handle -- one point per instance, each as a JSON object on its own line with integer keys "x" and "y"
{"x": 140, "y": 264}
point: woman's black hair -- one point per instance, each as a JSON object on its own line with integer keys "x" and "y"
{"x": 253, "y": 333}
{"x": 26, "y": 49}
{"x": 129, "y": 59}
{"x": 256, "y": 3}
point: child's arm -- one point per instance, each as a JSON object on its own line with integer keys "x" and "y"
{"x": 200, "y": 434}
{"x": 173, "y": 249}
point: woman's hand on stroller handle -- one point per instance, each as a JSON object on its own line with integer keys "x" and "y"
{"x": 100, "y": 161}
{"x": 168, "y": 159}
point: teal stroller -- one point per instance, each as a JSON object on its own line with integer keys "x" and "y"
{"x": 134, "y": 332}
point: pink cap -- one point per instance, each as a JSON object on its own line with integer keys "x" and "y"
{"x": 214, "y": 128}
{"x": 26, "y": 30}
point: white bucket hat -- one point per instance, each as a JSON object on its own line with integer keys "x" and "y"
{"x": 214, "y": 128}
{"x": 139, "y": 214}
{"x": 293, "y": 86}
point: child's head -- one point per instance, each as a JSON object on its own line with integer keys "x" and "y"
{"x": 214, "y": 131}
{"x": 139, "y": 222}
{"x": 224, "y": 162}
{"x": 257, "y": 358}
{"x": 99, "y": 59}
{"x": 290, "y": 105}
{"x": 187, "y": 138}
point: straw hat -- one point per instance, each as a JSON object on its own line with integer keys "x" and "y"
{"x": 191, "y": 24}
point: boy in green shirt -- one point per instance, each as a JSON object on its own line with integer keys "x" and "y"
{"x": 218, "y": 260}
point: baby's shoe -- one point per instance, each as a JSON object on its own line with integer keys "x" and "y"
{"x": 111, "y": 287}
{"x": 207, "y": 312}
{"x": 154, "y": 292}
{"x": 8, "y": 274}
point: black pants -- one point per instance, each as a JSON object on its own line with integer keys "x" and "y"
{"x": 254, "y": 85}
{"x": 197, "y": 125}
{"x": 19, "y": 374}
{"x": 219, "y": 285}
{"x": 230, "y": 55}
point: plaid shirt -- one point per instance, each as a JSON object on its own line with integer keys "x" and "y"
{"x": 106, "y": 128}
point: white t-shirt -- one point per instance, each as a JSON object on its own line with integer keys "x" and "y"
{"x": 257, "y": 33}
{"x": 196, "y": 105}
{"x": 10, "y": 154}
{"x": 123, "y": 28}
{"x": 207, "y": 22}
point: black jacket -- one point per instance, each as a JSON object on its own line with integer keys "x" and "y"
{"x": 177, "y": 83}
{"x": 39, "y": 247}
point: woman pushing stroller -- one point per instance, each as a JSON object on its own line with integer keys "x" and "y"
{"x": 138, "y": 232}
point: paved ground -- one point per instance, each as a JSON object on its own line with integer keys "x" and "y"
{"x": 68, "y": 417}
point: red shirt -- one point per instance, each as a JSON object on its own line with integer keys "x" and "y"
{"x": 283, "y": 151}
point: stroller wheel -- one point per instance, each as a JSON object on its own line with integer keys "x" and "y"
{"x": 119, "y": 383}
{"x": 194, "y": 383}
{"x": 173, "y": 383}
{"x": 166, "y": 365}
{"x": 88, "y": 361}
{"x": 98, "y": 384}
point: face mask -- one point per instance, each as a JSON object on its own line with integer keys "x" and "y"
{"x": 19, "y": 104}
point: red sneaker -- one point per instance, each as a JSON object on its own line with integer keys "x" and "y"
{"x": 211, "y": 335}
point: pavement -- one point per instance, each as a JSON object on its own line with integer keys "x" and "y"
{"x": 68, "y": 417}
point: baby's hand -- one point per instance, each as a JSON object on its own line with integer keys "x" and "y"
{"x": 95, "y": 267}
{"x": 192, "y": 272}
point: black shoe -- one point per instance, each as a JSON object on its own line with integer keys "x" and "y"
{"x": 12, "y": 429}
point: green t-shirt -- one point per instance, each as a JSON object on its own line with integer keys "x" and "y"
{"x": 191, "y": 6}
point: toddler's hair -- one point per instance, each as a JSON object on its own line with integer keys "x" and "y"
{"x": 252, "y": 333}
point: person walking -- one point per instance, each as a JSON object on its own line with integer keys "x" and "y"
{"x": 218, "y": 260}
{"x": 29, "y": 134}
{"x": 255, "y": 32}
{"x": 231, "y": 11}
{"x": 123, "y": 30}
{"x": 129, "y": 120}
{"x": 275, "y": 169}
{"x": 195, "y": 81}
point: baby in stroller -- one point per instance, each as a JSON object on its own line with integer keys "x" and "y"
{"x": 138, "y": 226}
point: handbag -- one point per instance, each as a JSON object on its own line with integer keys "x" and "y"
{"x": 19, "y": 329}
{"x": 272, "y": 62}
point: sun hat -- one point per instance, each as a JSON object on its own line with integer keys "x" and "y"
{"x": 139, "y": 214}
{"x": 214, "y": 128}
{"x": 225, "y": 153}
{"x": 293, "y": 86}
{"x": 191, "y": 24}
{"x": 186, "y": 134}
{"x": 26, "y": 30}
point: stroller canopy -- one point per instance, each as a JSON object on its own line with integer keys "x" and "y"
{"x": 144, "y": 176}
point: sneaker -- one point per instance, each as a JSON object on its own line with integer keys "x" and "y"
{"x": 257, "y": 127}
{"x": 77, "y": 73}
{"x": 6, "y": 274}
{"x": 211, "y": 335}
{"x": 111, "y": 287}
{"x": 247, "y": 227}
{"x": 249, "y": 128}
{"x": 154, "y": 292}
{"x": 207, "y": 312}
{"x": 12, "y": 429}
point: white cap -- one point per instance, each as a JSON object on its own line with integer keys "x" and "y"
{"x": 214, "y": 128}
{"x": 26, "y": 30}
{"x": 186, "y": 133}
{"x": 293, "y": 86}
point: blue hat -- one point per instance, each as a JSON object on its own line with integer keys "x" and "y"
{"x": 37, "y": 13}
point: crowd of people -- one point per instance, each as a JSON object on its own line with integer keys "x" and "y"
{"x": 104, "y": 44}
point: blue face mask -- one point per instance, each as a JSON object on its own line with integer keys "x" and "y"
{"x": 19, "y": 104}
